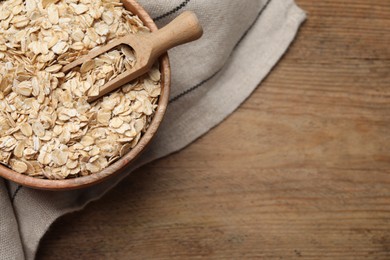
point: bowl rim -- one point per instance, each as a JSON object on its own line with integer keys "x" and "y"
{"x": 120, "y": 165}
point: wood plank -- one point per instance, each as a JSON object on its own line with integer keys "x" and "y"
{"x": 301, "y": 170}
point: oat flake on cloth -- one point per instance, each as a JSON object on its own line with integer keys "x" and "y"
{"x": 243, "y": 40}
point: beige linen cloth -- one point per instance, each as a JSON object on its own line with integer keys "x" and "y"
{"x": 243, "y": 40}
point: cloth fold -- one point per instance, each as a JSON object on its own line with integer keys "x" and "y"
{"x": 243, "y": 40}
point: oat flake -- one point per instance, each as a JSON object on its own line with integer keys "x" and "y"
{"x": 47, "y": 127}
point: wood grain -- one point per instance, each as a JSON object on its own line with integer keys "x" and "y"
{"x": 301, "y": 170}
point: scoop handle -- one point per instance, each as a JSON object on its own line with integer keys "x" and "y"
{"x": 183, "y": 29}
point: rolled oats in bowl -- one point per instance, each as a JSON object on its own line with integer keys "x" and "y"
{"x": 47, "y": 127}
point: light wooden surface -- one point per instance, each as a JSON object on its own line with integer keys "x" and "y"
{"x": 301, "y": 170}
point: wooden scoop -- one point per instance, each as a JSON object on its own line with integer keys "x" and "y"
{"x": 147, "y": 47}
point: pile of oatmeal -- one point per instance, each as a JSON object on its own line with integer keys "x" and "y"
{"x": 47, "y": 127}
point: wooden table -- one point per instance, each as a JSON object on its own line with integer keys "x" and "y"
{"x": 302, "y": 169}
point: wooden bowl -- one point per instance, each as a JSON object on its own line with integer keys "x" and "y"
{"x": 118, "y": 166}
